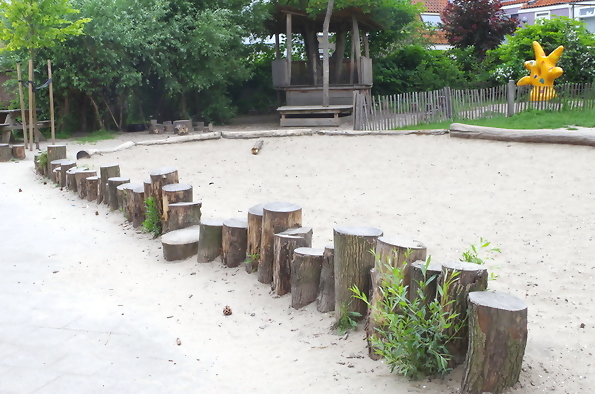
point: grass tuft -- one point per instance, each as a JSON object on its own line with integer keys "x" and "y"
{"x": 95, "y": 136}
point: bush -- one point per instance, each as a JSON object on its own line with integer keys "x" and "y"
{"x": 412, "y": 334}
{"x": 152, "y": 223}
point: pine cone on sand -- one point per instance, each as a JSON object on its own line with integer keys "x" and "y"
{"x": 227, "y": 310}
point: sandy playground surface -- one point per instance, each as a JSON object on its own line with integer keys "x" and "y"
{"x": 534, "y": 201}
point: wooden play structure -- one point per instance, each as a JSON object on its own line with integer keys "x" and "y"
{"x": 302, "y": 80}
{"x": 272, "y": 243}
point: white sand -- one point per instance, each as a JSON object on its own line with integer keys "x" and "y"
{"x": 535, "y": 201}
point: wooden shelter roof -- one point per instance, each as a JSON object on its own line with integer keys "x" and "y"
{"x": 339, "y": 18}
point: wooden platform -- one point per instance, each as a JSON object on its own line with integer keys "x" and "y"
{"x": 314, "y": 115}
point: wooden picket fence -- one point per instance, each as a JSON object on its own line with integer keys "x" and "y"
{"x": 410, "y": 109}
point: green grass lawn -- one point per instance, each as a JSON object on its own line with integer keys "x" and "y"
{"x": 95, "y": 136}
{"x": 531, "y": 119}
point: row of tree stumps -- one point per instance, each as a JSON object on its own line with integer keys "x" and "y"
{"x": 272, "y": 243}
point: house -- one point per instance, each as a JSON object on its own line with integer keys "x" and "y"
{"x": 528, "y": 11}
{"x": 431, "y": 15}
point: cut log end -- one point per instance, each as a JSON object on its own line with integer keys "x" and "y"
{"x": 234, "y": 242}
{"x": 306, "y": 266}
{"x": 210, "y": 241}
{"x": 180, "y": 244}
{"x": 257, "y": 147}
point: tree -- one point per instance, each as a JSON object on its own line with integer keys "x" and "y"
{"x": 478, "y": 23}
{"x": 576, "y": 61}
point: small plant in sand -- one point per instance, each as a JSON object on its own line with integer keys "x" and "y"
{"x": 252, "y": 260}
{"x": 42, "y": 159}
{"x": 152, "y": 223}
{"x": 412, "y": 335}
{"x": 477, "y": 254}
{"x": 347, "y": 320}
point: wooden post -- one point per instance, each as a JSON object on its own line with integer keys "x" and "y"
{"x": 325, "y": 302}
{"x": 357, "y": 47}
{"x": 448, "y": 102}
{"x": 254, "y": 237}
{"x": 138, "y": 206}
{"x": 497, "y": 341}
{"x": 55, "y": 152}
{"x": 465, "y": 277}
{"x": 70, "y": 177}
{"x": 92, "y": 183}
{"x": 511, "y": 96}
{"x": 305, "y": 276}
{"x": 23, "y": 116}
{"x": 5, "y": 152}
{"x": 112, "y": 186}
{"x": 148, "y": 191}
{"x": 353, "y": 262}
{"x": 19, "y": 152}
{"x": 81, "y": 181}
{"x": 182, "y": 215}
{"x": 106, "y": 171}
{"x": 124, "y": 193}
{"x": 55, "y": 164}
{"x": 325, "y": 57}
{"x": 173, "y": 193}
{"x": 234, "y": 242}
{"x": 66, "y": 165}
{"x": 32, "y": 110}
{"x": 285, "y": 244}
{"x": 277, "y": 217}
{"x": 51, "y": 91}
{"x": 159, "y": 178}
{"x": 288, "y": 39}
{"x": 366, "y": 45}
{"x": 210, "y": 242}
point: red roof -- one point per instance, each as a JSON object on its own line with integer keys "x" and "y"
{"x": 432, "y": 5}
{"x": 544, "y": 3}
{"x": 512, "y": 2}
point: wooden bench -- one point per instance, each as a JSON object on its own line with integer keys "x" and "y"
{"x": 9, "y": 123}
{"x": 314, "y": 115}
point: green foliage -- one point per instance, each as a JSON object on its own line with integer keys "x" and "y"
{"x": 97, "y": 135}
{"x": 412, "y": 335}
{"x": 152, "y": 223}
{"x": 347, "y": 320}
{"x": 577, "y": 59}
{"x": 43, "y": 159}
{"x": 252, "y": 258}
{"x": 35, "y": 24}
{"x": 477, "y": 254}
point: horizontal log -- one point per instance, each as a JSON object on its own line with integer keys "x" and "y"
{"x": 266, "y": 133}
{"x": 357, "y": 133}
{"x": 571, "y": 137}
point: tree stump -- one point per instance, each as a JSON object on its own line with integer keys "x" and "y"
{"x": 372, "y": 318}
{"x": 399, "y": 252}
{"x": 138, "y": 206}
{"x": 19, "y": 152}
{"x": 182, "y": 127}
{"x": 497, "y": 340}
{"x": 81, "y": 181}
{"x": 305, "y": 276}
{"x": 5, "y": 152}
{"x": 148, "y": 188}
{"x": 234, "y": 242}
{"x": 71, "y": 179}
{"x": 53, "y": 165}
{"x": 173, "y": 193}
{"x": 180, "y": 244}
{"x": 325, "y": 301}
{"x": 254, "y": 237}
{"x": 112, "y": 192}
{"x": 66, "y": 165}
{"x": 105, "y": 172}
{"x": 353, "y": 262}
{"x": 277, "y": 217}
{"x": 465, "y": 278}
{"x": 417, "y": 277}
{"x": 55, "y": 152}
{"x": 304, "y": 232}
{"x": 124, "y": 195}
{"x": 168, "y": 126}
{"x": 210, "y": 241}
{"x": 284, "y": 246}
{"x": 182, "y": 215}
{"x": 159, "y": 178}
{"x": 92, "y": 183}
{"x": 39, "y": 169}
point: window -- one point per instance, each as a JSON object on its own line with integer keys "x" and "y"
{"x": 432, "y": 19}
{"x": 542, "y": 15}
{"x": 585, "y": 12}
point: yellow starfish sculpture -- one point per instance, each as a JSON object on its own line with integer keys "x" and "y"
{"x": 543, "y": 72}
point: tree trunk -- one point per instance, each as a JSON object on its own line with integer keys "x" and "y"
{"x": 497, "y": 341}
{"x": 148, "y": 192}
{"x": 92, "y": 187}
{"x": 326, "y": 292}
{"x": 399, "y": 252}
{"x": 55, "y": 152}
{"x": 285, "y": 244}
{"x": 138, "y": 206}
{"x": 19, "y": 152}
{"x": 338, "y": 55}
{"x": 124, "y": 195}
{"x": 277, "y": 217}
{"x": 112, "y": 185}
{"x": 465, "y": 277}
{"x": 417, "y": 277}
{"x": 353, "y": 262}
{"x": 106, "y": 171}
{"x": 325, "y": 59}
{"x": 80, "y": 178}
{"x": 71, "y": 177}
{"x": 180, "y": 244}
{"x": 159, "y": 178}
{"x": 306, "y": 266}
{"x": 173, "y": 193}
{"x": 66, "y": 165}
{"x": 254, "y": 237}
{"x": 210, "y": 242}
{"x": 234, "y": 242}
{"x": 182, "y": 215}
